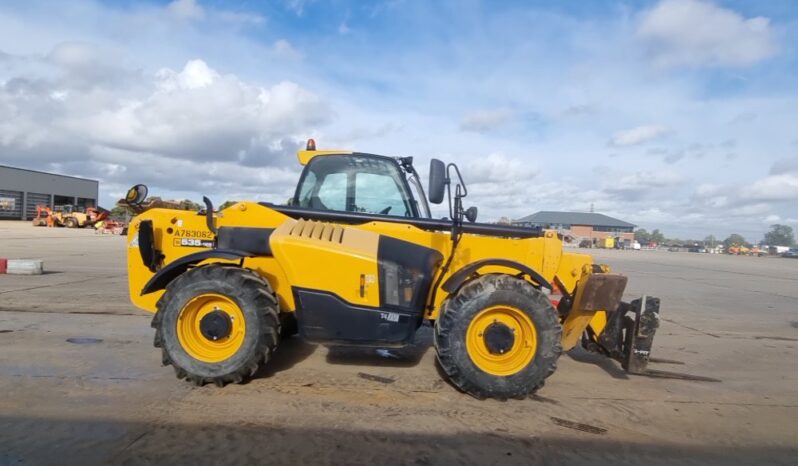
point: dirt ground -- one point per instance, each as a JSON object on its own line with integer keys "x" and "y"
{"x": 111, "y": 401}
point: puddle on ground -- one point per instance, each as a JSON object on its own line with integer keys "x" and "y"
{"x": 6, "y": 331}
{"x": 794, "y": 323}
{"x": 84, "y": 340}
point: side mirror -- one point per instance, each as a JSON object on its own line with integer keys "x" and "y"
{"x": 437, "y": 181}
{"x": 471, "y": 214}
{"x": 136, "y": 194}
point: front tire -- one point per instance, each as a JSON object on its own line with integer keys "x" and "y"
{"x": 217, "y": 324}
{"x": 498, "y": 337}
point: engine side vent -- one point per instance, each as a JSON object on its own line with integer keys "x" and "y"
{"x": 320, "y": 231}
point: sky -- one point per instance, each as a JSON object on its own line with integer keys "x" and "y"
{"x": 680, "y": 115}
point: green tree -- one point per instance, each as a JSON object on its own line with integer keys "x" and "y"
{"x": 642, "y": 236}
{"x": 734, "y": 240}
{"x": 187, "y": 204}
{"x": 120, "y": 212}
{"x": 780, "y": 235}
{"x": 226, "y": 204}
{"x": 657, "y": 236}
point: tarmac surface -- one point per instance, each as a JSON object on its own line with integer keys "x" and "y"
{"x": 82, "y": 384}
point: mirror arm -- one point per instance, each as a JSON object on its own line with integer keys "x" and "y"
{"x": 459, "y": 178}
{"x": 449, "y": 197}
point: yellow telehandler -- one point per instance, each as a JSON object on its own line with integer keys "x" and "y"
{"x": 356, "y": 258}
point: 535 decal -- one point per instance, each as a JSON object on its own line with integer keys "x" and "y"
{"x": 193, "y": 243}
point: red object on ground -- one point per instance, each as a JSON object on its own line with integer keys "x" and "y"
{"x": 3, "y": 265}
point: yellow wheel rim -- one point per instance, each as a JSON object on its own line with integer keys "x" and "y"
{"x": 516, "y": 356}
{"x": 200, "y": 346}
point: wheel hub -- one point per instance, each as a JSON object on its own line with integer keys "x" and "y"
{"x": 499, "y": 338}
{"x": 216, "y": 325}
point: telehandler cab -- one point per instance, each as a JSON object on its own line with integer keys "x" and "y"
{"x": 357, "y": 259}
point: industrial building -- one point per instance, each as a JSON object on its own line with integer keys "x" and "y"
{"x": 21, "y": 190}
{"x": 581, "y": 225}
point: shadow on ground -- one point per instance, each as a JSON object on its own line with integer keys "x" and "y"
{"x": 405, "y": 356}
{"x": 606, "y": 364}
{"x": 89, "y": 442}
{"x": 290, "y": 352}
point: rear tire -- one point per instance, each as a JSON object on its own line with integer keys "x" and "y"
{"x": 235, "y": 357}
{"x": 524, "y": 341}
{"x": 71, "y": 222}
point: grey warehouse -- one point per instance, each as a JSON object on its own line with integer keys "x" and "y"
{"x": 21, "y": 190}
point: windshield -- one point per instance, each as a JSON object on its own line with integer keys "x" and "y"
{"x": 355, "y": 183}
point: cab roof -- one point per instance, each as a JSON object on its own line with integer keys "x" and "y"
{"x": 305, "y": 156}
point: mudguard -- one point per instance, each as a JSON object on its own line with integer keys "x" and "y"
{"x": 177, "y": 267}
{"x": 458, "y": 278}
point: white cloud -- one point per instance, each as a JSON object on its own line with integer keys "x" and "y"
{"x": 369, "y": 132}
{"x": 699, "y": 33}
{"x": 198, "y": 114}
{"x": 499, "y": 168}
{"x": 638, "y": 135}
{"x": 712, "y": 196}
{"x": 298, "y": 6}
{"x": 98, "y": 107}
{"x": 73, "y": 55}
{"x": 785, "y": 166}
{"x": 239, "y": 17}
{"x": 642, "y": 183}
{"x": 195, "y": 75}
{"x": 192, "y": 10}
{"x": 782, "y": 187}
{"x": 186, "y": 9}
{"x": 757, "y": 209}
{"x": 284, "y": 49}
{"x": 195, "y": 114}
{"x": 485, "y": 121}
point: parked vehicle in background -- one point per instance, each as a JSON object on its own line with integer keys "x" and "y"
{"x": 604, "y": 243}
{"x": 778, "y": 250}
{"x": 738, "y": 250}
{"x": 636, "y": 246}
{"x": 43, "y": 216}
{"x": 72, "y": 218}
{"x": 792, "y": 252}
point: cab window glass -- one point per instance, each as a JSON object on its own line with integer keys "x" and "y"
{"x": 307, "y": 186}
{"x": 332, "y": 192}
{"x": 355, "y": 183}
{"x": 378, "y": 194}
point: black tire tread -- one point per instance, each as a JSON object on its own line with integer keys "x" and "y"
{"x": 453, "y": 309}
{"x": 266, "y": 303}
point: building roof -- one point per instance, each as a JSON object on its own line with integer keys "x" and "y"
{"x": 574, "y": 218}
{"x": 47, "y": 173}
